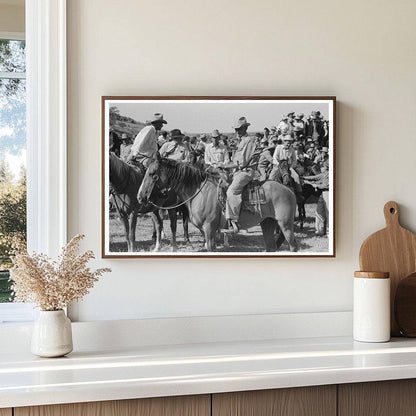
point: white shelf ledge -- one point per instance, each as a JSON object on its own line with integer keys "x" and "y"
{"x": 152, "y": 371}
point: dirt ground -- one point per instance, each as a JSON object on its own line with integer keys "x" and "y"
{"x": 250, "y": 241}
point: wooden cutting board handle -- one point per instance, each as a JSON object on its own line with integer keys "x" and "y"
{"x": 391, "y": 214}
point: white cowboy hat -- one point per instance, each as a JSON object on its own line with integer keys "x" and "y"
{"x": 241, "y": 122}
{"x": 158, "y": 117}
{"x": 215, "y": 133}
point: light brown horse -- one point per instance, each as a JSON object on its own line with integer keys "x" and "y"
{"x": 199, "y": 190}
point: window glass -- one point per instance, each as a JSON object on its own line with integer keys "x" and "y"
{"x": 12, "y": 56}
{"x": 12, "y": 156}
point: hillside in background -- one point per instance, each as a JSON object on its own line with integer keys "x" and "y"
{"x": 122, "y": 124}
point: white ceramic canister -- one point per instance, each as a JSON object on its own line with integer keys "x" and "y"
{"x": 52, "y": 334}
{"x": 371, "y": 313}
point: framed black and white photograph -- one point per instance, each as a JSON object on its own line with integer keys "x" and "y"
{"x": 218, "y": 176}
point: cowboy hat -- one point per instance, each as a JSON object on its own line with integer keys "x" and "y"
{"x": 158, "y": 117}
{"x": 241, "y": 122}
{"x": 202, "y": 136}
{"x": 215, "y": 134}
{"x": 176, "y": 134}
{"x": 274, "y": 128}
{"x": 299, "y": 116}
{"x": 292, "y": 113}
{"x": 287, "y": 138}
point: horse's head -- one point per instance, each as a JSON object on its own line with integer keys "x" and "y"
{"x": 156, "y": 178}
{"x": 285, "y": 172}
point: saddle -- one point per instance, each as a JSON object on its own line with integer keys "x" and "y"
{"x": 253, "y": 196}
{"x": 253, "y": 193}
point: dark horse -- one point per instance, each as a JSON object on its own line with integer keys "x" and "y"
{"x": 125, "y": 182}
{"x": 199, "y": 190}
{"x": 284, "y": 177}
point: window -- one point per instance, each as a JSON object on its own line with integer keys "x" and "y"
{"x": 12, "y": 154}
{"x": 45, "y": 27}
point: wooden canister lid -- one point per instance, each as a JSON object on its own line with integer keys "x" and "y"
{"x": 372, "y": 275}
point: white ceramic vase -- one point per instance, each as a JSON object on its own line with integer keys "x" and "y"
{"x": 52, "y": 334}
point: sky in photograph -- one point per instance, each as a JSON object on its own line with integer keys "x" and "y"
{"x": 222, "y": 115}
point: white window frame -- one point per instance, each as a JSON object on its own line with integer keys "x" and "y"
{"x": 46, "y": 127}
{"x": 12, "y": 35}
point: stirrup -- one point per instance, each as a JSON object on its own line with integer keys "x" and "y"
{"x": 234, "y": 228}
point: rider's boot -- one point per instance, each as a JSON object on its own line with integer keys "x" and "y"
{"x": 232, "y": 227}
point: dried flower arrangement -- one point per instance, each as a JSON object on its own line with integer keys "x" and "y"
{"x": 53, "y": 285}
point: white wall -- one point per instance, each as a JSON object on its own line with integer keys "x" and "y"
{"x": 361, "y": 51}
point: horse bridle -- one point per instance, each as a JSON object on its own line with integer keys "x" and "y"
{"x": 168, "y": 189}
{"x": 165, "y": 191}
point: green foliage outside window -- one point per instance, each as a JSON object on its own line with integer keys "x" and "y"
{"x": 12, "y": 223}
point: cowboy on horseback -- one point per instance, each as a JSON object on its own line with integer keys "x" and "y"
{"x": 216, "y": 153}
{"x": 243, "y": 174}
{"x": 145, "y": 144}
{"x": 175, "y": 149}
{"x": 286, "y": 152}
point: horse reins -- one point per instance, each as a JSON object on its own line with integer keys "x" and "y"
{"x": 125, "y": 204}
{"x": 183, "y": 202}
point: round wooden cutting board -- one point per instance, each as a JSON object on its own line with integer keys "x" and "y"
{"x": 393, "y": 250}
